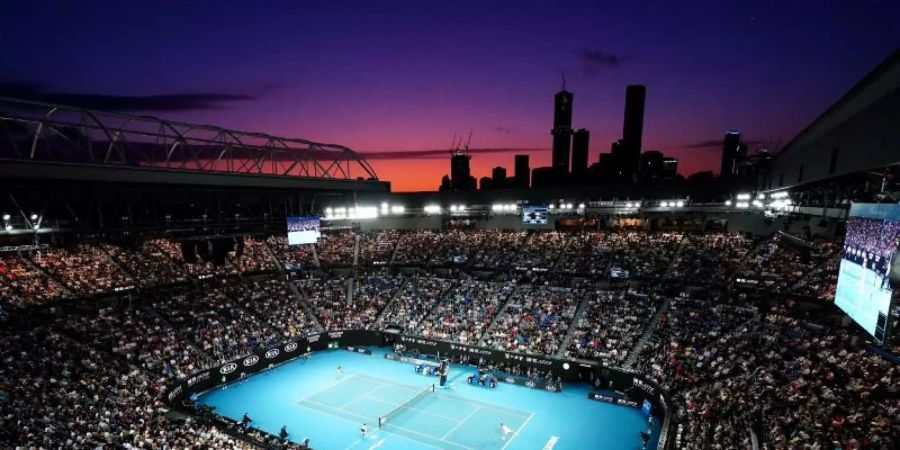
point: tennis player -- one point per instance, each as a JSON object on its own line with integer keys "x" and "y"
{"x": 364, "y": 429}
{"x": 504, "y": 431}
{"x": 339, "y": 372}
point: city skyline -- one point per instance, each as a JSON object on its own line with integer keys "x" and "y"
{"x": 396, "y": 82}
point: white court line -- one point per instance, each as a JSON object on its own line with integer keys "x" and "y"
{"x": 486, "y": 405}
{"x": 461, "y": 422}
{"x": 356, "y": 399}
{"x": 430, "y": 437}
{"x": 401, "y": 406}
{"x": 326, "y": 388}
{"x": 355, "y": 423}
{"x": 516, "y": 433}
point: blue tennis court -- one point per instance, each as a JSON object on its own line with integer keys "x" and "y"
{"x": 312, "y": 400}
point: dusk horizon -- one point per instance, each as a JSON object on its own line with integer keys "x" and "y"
{"x": 399, "y": 83}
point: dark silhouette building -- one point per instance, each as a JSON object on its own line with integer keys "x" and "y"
{"x": 580, "y": 144}
{"x": 618, "y": 152}
{"x": 670, "y": 167}
{"x": 656, "y": 167}
{"x": 731, "y": 149}
{"x": 562, "y": 130}
{"x": 523, "y": 171}
{"x": 461, "y": 178}
{"x": 544, "y": 176}
{"x": 632, "y": 131}
{"x": 499, "y": 174}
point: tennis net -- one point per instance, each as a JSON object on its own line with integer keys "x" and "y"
{"x": 383, "y": 419}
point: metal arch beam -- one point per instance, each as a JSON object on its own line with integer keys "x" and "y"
{"x": 317, "y": 160}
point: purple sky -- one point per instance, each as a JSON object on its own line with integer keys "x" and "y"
{"x": 396, "y": 76}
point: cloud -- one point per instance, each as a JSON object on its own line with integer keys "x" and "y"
{"x": 190, "y": 101}
{"x": 502, "y": 129}
{"x": 595, "y": 60}
{"x": 440, "y": 154}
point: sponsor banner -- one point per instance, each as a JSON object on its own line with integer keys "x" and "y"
{"x": 616, "y": 401}
{"x": 228, "y": 368}
{"x": 525, "y": 381}
{"x": 200, "y": 377}
{"x": 290, "y": 347}
{"x": 175, "y": 392}
{"x": 251, "y": 361}
{"x": 272, "y": 353}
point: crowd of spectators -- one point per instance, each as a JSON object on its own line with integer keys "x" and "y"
{"x": 93, "y": 377}
{"x": 336, "y": 248}
{"x": 799, "y": 385}
{"x": 22, "y": 284}
{"x": 149, "y": 265}
{"x": 541, "y": 250}
{"x": 301, "y": 256}
{"x": 255, "y": 257}
{"x": 418, "y": 297}
{"x": 610, "y": 326}
{"x": 377, "y": 248}
{"x": 875, "y": 237}
{"x": 416, "y": 247}
{"x": 535, "y": 320}
{"x": 63, "y": 393}
{"x": 498, "y": 248}
{"x": 84, "y": 269}
{"x": 458, "y": 247}
{"x": 213, "y": 318}
{"x": 466, "y": 311}
{"x": 196, "y": 269}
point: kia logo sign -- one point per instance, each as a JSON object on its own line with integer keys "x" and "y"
{"x": 290, "y": 347}
{"x": 272, "y": 353}
{"x": 228, "y": 368}
{"x": 251, "y": 360}
{"x": 529, "y": 383}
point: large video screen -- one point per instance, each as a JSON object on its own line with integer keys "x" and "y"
{"x": 534, "y": 215}
{"x": 864, "y": 288}
{"x": 303, "y": 230}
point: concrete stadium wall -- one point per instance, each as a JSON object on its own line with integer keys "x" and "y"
{"x": 864, "y": 127}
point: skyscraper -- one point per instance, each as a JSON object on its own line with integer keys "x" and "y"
{"x": 460, "y": 174}
{"x": 633, "y": 130}
{"x": 731, "y": 147}
{"x": 523, "y": 171}
{"x": 580, "y": 144}
{"x": 499, "y": 176}
{"x": 562, "y": 130}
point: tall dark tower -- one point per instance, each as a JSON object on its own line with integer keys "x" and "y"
{"x": 633, "y": 129}
{"x": 580, "y": 143}
{"x": 731, "y": 146}
{"x": 460, "y": 174}
{"x": 523, "y": 171}
{"x": 562, "y": 130}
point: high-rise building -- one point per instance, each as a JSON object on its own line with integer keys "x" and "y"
{"x": 523, "y": 171}
{"x": 670, "y": 167}
{"x": 499, "y": 174}
{"x": 461, "y": 178}
{"x": 562, "y": 130}
{"x": 731, "y": 148}
{"x": 651, "y": 165}
{"x": 633, "y": 130}
{"x": 580, "y": 144}
{"x": 618, "y": 153}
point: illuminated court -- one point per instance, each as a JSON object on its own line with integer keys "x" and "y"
{"x": 330, "y": 409}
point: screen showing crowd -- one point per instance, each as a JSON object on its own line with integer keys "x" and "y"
{"x": 534, "y": 215}
{"x": 303, "y": 230}
{"x": 864, "y": 288}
